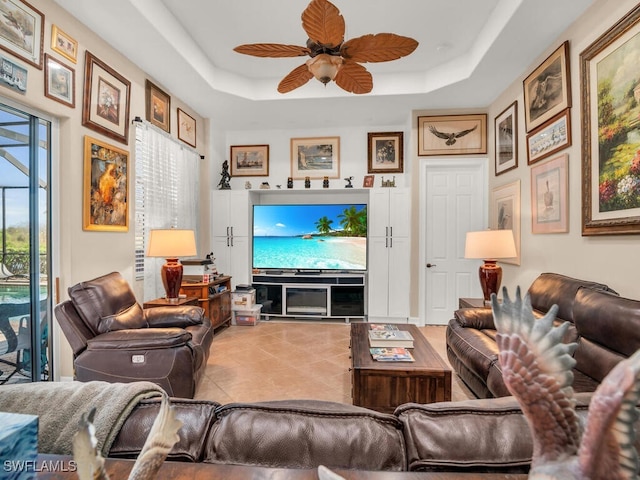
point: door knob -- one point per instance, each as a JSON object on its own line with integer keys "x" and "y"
{"x": 429, "y": 265}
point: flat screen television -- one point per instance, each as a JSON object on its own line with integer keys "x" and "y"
{"x": 310, "y": 237}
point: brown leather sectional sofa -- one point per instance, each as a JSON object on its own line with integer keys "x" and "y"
{"x": 485, "y": 435}
{"x": 605, "y": 326}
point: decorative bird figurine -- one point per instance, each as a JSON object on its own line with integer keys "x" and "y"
{"x": 162, "y": 437}
{"x": 450, "y": 137}
{"x": 537, "y": 370}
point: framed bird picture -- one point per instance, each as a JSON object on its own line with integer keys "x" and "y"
{"x": 452, "y": 135}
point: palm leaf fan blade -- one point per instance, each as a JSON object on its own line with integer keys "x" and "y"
{"x": 354, "y": 78}
{"x": 323, "y": 23}
{"x": 270, "y": 50}
{"x": 381, "y": 47}
{"x": 296, "y": 78}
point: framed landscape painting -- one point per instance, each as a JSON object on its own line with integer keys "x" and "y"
{"x": 505, "y": 213}
{"x": 105, "y": 205}
{"x": 385, "y": 152}
{"x": 611, "y": 134}
{"x": 22, "y": 31}
{"x": 506, "y": 137}
{"x": 547, "y": 90}
{"x": 315, "y": 157}
{"x": 105, "y": 106}
{"x": 249, "y": 160}
{"x": 452, "y": 135}
{"x": 549, "y": 196}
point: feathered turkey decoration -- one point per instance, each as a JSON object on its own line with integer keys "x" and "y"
{"x": 537, "y": 370}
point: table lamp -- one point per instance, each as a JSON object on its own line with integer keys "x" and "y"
{"x": 171, "y": 244}
{"x": 490, "y": 245}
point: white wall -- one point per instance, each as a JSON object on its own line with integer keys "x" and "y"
{"x": 612, "y": 259}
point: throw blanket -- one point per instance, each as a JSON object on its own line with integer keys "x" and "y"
{"x": 60, "y": 405}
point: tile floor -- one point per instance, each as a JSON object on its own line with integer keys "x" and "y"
{"x": 279, "y": 360}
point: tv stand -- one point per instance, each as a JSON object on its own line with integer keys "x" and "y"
{"x": 311, "y": 295}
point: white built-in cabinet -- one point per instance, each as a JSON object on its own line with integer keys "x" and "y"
{"x": 389, "y": 250}
{"x": 230, "y": 226}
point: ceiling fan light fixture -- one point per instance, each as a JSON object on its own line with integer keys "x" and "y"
{"x": 324, "y": 67}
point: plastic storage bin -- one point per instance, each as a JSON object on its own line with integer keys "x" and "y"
{"x": 247, "y": 317}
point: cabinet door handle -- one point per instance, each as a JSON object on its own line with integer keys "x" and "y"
{"x": 386, "y": 231}
{"x": 386, "y": 242}
{"x": 390, "y": 242}
{"x": 232, "y": 240}
{"x": 227, "y": 231}
{"x": 391, "y": 231}
{"x": 232, "y": 231}
{"x": 228, "y": 238}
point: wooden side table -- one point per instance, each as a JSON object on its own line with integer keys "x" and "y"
{"x": 216, "y": 304}
{"x": 163, "y": 302}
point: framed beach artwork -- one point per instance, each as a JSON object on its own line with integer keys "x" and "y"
{"x": 549, "y": 196}
{"x": 59, "y": 81}
{"x": 452, "y": 135}
{"x": 158, "y": 106}
{"x": 505, "y": 214}
{"x": 385, "y": 152}
{"x": 315, "y": 157}
{"x": 506, "y": 139}
{"x": 22, "y": 31}
{"x": 547, "y": 90}
{"x": 105, "y": 107}
{"x": 105, "y": 204}
{"x": 249, "y": 160}
{"x": 611, "y": 133}
{"x": 549, "y": 138}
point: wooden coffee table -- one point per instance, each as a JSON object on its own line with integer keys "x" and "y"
{"x": 382, "y": 386}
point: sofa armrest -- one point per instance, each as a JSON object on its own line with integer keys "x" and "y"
{"x": 140, "y": 339}
{"x": 478, "y": 318}
{"x": 178, "y": 316}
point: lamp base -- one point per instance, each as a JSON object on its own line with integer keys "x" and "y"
{"x": 490, "y": 278}
{"x": 172, "y": 278}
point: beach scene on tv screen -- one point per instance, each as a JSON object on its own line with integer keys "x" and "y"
{"x": 315, "y": 237}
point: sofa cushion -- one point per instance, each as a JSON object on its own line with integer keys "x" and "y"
{"x": 306, "y": 434}
{"x": 552, "y": 288}
{"x": 178, "y": 316}
{"x": 129, "y": 318}
{"x": 104, "y": 297}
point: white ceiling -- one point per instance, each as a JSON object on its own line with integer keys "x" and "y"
{"x": 469, "y": 51}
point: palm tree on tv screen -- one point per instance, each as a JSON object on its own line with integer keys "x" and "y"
{"x": 324, "y": 225}
{"x": 354, "y": 222}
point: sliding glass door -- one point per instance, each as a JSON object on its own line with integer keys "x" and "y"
{"x": 25, "y": 275}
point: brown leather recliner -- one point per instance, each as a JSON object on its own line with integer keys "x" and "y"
{"x": 114, "y": 340}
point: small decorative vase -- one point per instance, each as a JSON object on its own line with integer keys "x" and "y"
{"x": 307, "y": 182}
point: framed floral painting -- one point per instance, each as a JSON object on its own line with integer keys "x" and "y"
{"x": 59, "y": 81}
{"x": 158, "y": 106}
{"x": 610, "y": 139}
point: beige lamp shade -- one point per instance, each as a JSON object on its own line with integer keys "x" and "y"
{"x": 171, "y": 243}
{"x": 490, "y": 244}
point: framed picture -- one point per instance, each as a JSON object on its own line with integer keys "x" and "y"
{"x": 105, "y": 204}
{"x": 505, "y": 213}
{"x": 610, "y": 153}
{"x": 186, "y": 128}
{"x": 158, "y": 106}
{"x": 64, "y": 44}
{"x": 249, "y": 160}
{"x": 385, "y": 152}
{"x": 105, "y": 107}
{"x": 506, "y": 139}
{"x": 315, "y": 157}
{"x": 547, "y": 90}
{"x": 549, "y": 196}
{"x": 549, "y": 138}
{"x": 59, "y": 81}
{"x": 13, "y": 76}
{"x": 367, "y": 182}
{"x": 452, "y": 135}
{"x": 22, "y": 31}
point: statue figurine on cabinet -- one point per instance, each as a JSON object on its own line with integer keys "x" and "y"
{"x": 349, "y": 180}
{"x": 289, "y": 182}
{"x": 224, "y": 181}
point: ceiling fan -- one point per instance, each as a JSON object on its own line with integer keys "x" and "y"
{"x": 331, "y": 57}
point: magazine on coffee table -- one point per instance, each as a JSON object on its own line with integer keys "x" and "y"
{"x": 393, "y": 354}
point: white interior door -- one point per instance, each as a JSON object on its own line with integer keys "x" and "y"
{"x": 454, "y": 201}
